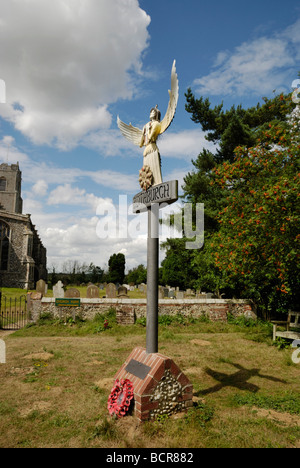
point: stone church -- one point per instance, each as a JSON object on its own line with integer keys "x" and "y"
{"x": 22, "y": 254}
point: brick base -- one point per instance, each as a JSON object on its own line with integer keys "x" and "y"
{"x": 164, "y": 390}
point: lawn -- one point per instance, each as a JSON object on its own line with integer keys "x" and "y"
{"x": 16, "y": 293}
{"x": 57, "y": 378}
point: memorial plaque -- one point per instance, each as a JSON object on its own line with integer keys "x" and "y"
{"x": 138, "y": 369}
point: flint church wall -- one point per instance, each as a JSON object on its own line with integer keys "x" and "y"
{"x": 128, "y": 310}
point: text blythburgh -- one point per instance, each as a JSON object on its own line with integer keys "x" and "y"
{"x": 166, "y": 192}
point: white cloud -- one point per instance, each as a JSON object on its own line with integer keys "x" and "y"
{"x": 255, "y": 67}
{"x": 184, "y": 145}
{"x": 40, "y": 188}
{"x": 9, "y": 153}
{"x": 68, "y": 195}
{"x": 67, "y": 236}
{"x": 64, "y": 61}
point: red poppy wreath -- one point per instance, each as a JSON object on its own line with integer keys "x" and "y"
{"x": 120, "y": 398}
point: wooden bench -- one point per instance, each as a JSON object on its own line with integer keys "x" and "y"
{"x": 293, "y": 321}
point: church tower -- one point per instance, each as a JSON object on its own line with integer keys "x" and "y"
{"x": 10, "y": 188}
{"x": 23, "y": 258}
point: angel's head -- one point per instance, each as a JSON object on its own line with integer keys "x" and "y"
{"x": 155, "y": 114}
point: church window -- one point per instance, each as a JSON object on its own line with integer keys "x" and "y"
{"x": 2, "y": 184}
{"x": 4, "y": 245}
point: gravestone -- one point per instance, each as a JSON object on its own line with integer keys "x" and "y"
{"x": 122, "y": 291}
{"x": 166, "y": 292}
{"x": 2, "y": 352}
{"x": 72, "y": 292}
{"x": 111, "y": 291}
{"x": 180, "y": 295}
{"x": 160, "y": 292}
{"x": 92, "y": 292}
{"x": 172, "y": 294}
{"x": 41, "y": 287}
{"x": 58, "y": 290}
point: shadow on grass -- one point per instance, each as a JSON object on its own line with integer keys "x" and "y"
{"x": 238, "y": 380}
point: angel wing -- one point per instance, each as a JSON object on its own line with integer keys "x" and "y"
{"x": 131, "y": 133}
{"x": 166, "y": 122}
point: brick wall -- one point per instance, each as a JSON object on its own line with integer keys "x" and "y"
{"x": 163, "y": 391}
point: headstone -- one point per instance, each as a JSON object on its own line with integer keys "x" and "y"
{"x": 166, "y": 292}
{"x": 171, "y": 294}
{"x": 92, "y": 292}
{"x": 180, "y": 295}
{"x": 122, "y": 291}
{"x": 143, "y": 288}
{"x": 2, "y": 352}
{"x": 72, "y": 292}
{"x": 111, "y": 291}
{"x": 41, "y": 287}
{"x": 160, "y": 292}
{"x": 189, "y": 293}
{"x": 58, "y": 290}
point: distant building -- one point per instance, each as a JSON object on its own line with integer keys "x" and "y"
{"x": 23, "y": 259}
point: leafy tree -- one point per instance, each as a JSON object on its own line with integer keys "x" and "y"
{"x": 116, "y": 272}
{"x": 95, "y": 273}
{"x": 137, "y": 275}
{"x": 177, "y": 267}
{"x": 257, "y": 246}
{"x": 236, "y": 126}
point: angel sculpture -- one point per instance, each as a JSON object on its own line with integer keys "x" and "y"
{"x": 149, "y": 135}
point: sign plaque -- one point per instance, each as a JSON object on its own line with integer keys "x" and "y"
{"x": 165, "y": 193}
{"x": 67, "y": 302}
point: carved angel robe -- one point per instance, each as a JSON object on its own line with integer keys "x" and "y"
{"x": 151, "y": 131}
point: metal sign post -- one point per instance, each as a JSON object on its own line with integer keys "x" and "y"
{"x": 154, "y": 196}
{"x": 152, "y": 200}
{"x": 152, "y": 279}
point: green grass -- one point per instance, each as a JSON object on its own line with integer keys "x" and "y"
{"x": 62, "y": 401}
{"x": 16, "y": 292}
{"x": 287, "y": 403}
{"x": 13, "y": 292}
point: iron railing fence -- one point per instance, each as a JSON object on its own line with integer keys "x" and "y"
{"x": 13, "y": 312}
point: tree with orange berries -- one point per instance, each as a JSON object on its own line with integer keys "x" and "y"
{"x": 257, "y": 245}
{"x": 249, "y": 188}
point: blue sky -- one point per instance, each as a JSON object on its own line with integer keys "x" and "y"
{"x": 71, "y": 67}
